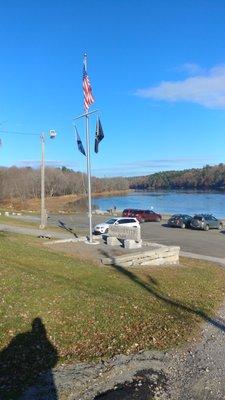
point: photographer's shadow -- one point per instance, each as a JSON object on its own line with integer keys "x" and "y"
{"x": 24, "y": 359}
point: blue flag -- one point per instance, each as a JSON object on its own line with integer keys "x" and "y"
{"x": 99, "y": 134}
{"x": 79, "y": 143}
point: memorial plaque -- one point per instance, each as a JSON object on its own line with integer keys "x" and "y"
{"x": 125, "y": 232}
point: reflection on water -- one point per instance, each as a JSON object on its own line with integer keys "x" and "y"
{"x": 168, "y": 202}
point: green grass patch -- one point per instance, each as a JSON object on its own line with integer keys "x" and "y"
{"x": 92, "y": 312}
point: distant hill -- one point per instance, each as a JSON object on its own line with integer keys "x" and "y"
{"x": 206, "y": 178}
{"x": 23, "y": 184}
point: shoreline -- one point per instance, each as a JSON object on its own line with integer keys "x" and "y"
{"x": 53, "y": 204}
{"x": 75, "y": 204}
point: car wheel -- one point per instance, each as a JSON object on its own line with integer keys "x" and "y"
{"x": 206, "y": 228}
{"x": 183, "y": 225}
{"x": 220, "y": 226}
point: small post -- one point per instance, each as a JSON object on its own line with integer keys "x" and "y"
{"x": 43, "y": 211}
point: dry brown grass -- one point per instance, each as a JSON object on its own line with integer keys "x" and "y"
{"x": 53, "y": 204}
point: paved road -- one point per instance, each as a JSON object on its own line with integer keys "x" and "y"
{"x": 211, "y": 243}
{"x": 35, "y": 232}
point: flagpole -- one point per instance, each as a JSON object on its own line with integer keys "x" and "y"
{"x": 89, "y": 178}
{"x": 88, "y": 100}
{"x": 88, "y": 163}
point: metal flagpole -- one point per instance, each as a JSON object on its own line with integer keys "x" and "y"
{"x": 86, "y": 115}
{"x": 43, "y": 212}
{"x": 88, "y": 100}
{"x": 89, "y": 177}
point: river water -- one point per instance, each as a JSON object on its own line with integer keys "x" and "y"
{"x": 168, "y": 202}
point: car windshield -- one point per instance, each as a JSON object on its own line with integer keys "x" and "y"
{"x": 110, "y": 221}
{"x": 198, "y": 217}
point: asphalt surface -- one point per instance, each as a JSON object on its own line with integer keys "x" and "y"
{"x": 210, "y": 243}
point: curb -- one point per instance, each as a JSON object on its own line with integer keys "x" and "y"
{"x": 217, "y": 260}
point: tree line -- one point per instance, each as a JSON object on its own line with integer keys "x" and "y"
{"x": 25, "y": 183}
{"x": 206, "y": 178}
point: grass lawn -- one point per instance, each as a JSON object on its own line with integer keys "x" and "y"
{"x": 92, "y": 312}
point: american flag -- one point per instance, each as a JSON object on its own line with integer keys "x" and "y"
{"x": 88, "y": 97}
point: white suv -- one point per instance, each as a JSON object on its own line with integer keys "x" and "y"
{"x": 103, "y": 228}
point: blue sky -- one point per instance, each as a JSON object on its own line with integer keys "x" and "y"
{"x": 157, "y": 70}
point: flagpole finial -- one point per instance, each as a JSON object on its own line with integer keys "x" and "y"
{"x": 85, "y": 61}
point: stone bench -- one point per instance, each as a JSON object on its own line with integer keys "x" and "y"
{"x": 129, "y": 237}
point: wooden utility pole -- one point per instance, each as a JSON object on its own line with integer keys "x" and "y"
{"x": 43, "y": 210}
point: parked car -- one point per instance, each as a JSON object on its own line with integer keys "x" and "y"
{"x": 205, "y": 222}
{"x": 180, "y": 221}
{"x": 127, "y": 212}
{"x": 142, "y": 215}
{"x": 103, "y": 227}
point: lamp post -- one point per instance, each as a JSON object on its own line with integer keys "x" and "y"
{"x": 43, "y": 210}
{"x": 52, "y": 134}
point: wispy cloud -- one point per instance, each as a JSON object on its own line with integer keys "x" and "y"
{"x": 145, "y": 167}
{"x": 206, "y": 88}
{"x": 52, "y": 163}
{"x": 169, "y": 161}
{"x": 191, "y": 69}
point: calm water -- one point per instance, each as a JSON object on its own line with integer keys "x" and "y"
{"x": 170, "y": 202}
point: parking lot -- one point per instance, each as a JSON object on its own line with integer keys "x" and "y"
{"x": 211, "y": 243}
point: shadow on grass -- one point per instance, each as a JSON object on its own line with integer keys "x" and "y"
{"x": 153, "y": 291}
{"x": 27, "y": 355}
{"x": 67, "y": 228}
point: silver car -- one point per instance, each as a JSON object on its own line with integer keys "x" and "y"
{"x": 205, "y": 222}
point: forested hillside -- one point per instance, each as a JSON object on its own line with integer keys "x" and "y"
{"x": 206, "y": 178}
{"x": 25, "y": 183}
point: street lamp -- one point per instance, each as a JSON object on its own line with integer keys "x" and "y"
{"x": 52, "y": 134}
{"x": 44, "y": 217}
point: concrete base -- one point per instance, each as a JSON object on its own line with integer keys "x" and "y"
{"x": 155, "y": 255}
{"x": 132, "y": 244}
{"x": 113, "y": 241}
{"x": 72, "y": 240}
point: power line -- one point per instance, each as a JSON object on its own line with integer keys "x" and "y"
{"x": 19, "y": 133}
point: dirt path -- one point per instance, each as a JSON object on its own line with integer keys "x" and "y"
{"x": 35, "y": 231}
{"x": 196, "y": 372}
